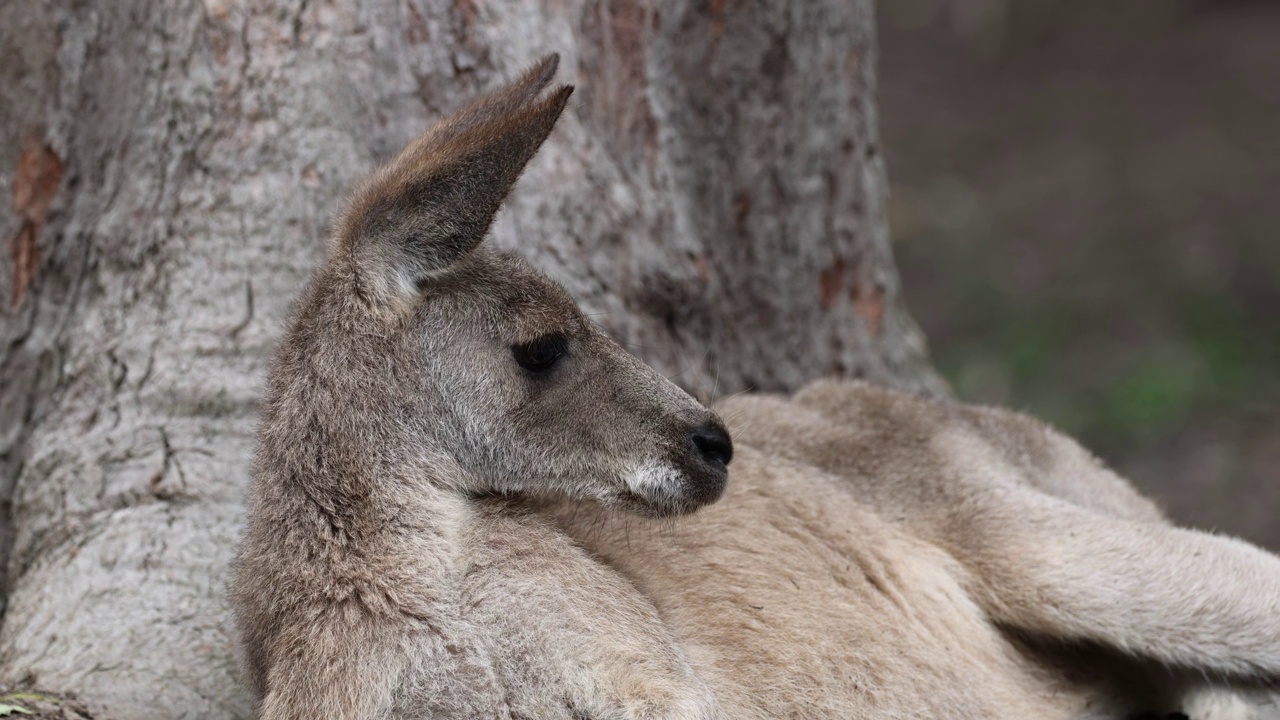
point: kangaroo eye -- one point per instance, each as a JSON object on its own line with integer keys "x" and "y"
{"x": 541, "y": 355}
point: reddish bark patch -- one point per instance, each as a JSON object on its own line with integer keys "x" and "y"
{"x": 417, "y": 31}
{"x": 743, "y": 211}
{"x": 220, "y": 41}
{"x": 628, "y": 27}
{"x": 870, "y": 306}
{"x": 852, "y": 62}
{"x": 35, "y": 184}
{"x": 830, "y": 281}
{"x": 700, "y": 264}
{"x": 614, "y": 52}
{"x": 466, "y": 11}
{"x": 717, "y": 20}
{"x": 26, "y": 259}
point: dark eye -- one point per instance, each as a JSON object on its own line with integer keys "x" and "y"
{"x": 541, "y": 354}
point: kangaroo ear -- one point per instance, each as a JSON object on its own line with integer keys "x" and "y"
{"x": 434, "y": 203}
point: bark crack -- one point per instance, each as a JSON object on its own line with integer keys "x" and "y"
{"x": 297, "y": 20}
{"x": 248, "y": 311}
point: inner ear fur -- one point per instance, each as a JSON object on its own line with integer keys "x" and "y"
{"x": 434, "y": 203}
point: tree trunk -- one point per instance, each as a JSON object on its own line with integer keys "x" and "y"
{"x": 714, "y": 195}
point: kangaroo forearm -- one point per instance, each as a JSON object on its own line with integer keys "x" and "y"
{"x": 1179, "y": 596}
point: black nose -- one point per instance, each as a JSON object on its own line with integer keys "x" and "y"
{"x": 713, "y": 442}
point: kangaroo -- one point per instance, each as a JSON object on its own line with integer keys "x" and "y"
{"x": 469, "y": 502}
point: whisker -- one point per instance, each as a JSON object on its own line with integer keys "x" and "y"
{"x": 734, "y": 395}
{"x": 740, "y": 427}
{"x": 715, "y": 386}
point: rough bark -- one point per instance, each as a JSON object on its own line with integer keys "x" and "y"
{"x": 714, "y": 195}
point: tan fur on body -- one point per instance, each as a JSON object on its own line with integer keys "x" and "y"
{"x": 878, "y": 555}
{"x": 470, "y": 503}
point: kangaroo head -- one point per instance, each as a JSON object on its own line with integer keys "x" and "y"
{"x": 432, "y": 358}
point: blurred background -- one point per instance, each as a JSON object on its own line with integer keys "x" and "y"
{"x": 1086, "y": 215}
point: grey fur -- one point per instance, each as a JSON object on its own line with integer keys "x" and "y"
{"x": 438, "y": 531}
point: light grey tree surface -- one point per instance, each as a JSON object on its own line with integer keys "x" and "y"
{"x": 714, "y": 196}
